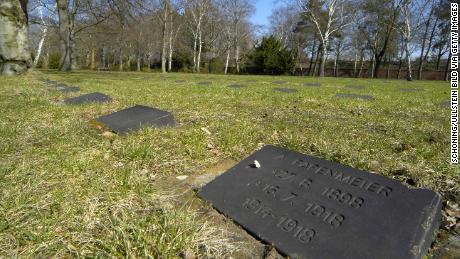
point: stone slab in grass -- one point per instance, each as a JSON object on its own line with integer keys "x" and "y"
{"x": 280, "y": 82}
{"x": 68, "y": 89}
{"x": 252, "y": 81}
{"x": 180, "y": 81}
{"x": 237, "y": 86}
{"x": 136, "y": 117}
{"x": 406, "y": 89}
{"x": 312, "y": 84}
{"x": 355, "y": 87}
{"x": 445, "y": 104}
{"x": 89, "y": 98}
{"x": 354, "y": 96}
{"x": 308, "y": 207}
{"x": 204, "y": 83}
{"x": 285, "y": 90}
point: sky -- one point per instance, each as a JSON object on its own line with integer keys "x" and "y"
{"x": 263, "y": 11}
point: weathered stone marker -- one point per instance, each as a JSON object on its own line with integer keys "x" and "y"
{"x": 67, "y": 89}
{"x": 312, "y": 84}
{"x": 204, "y": 83}
{"x": 445, "y": 104}
{"x": 89, "y": 98}
{"x": 279, "y": 82}
{"x": 308, "y": 207}
{"x": 410, "y": 89}
{"x": 285, "y": 90}
{"x": 135, "y": 117}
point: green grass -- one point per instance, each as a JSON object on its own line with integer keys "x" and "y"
{"x": 65, "y": 190}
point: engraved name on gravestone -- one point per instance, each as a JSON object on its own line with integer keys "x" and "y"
{"x": 308, "y": 207}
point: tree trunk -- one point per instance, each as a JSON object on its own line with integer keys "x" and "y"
{"x": 372, "y": 64}
{"x": 46, "y": 58}
{"x": 164, "y": 32}
{"x": 361, "y": 65}
{"x": 408, "y": 61}
{"x": 200, "y": 46}
{"x": 195, "y": 40}
{"x": 40, "y": 46}
{"x": 66, "y": 34}
{"x": 15, "y": 56}
{"x": 138, "y": 61}
{"x": 446, "y": 70}
{"x": 438, "y": 58}
{"x": 425, "y": 35}
{"x": 400, "y": 67}
{"x": 323, "y": 58}
{"x": 120, "y": 65}
{"x": 226, "y": 61}
{"x": 93, "y": 58}
{"x": 237, "y": 58}
{"x": 311, "y": 57}
{"x": 170, "y": 54}
{"x": 355, "y": 64}
{"x": 388, "y": 68}
{"x": 88, "y": 59}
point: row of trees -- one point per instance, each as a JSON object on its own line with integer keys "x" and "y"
{"x": 308, "y": 35}
{"x": 377, "y": 31}
{"x": 106, "y": 34}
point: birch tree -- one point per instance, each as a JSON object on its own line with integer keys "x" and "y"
{"x": 329, "y": 16}
{"x": 197, "y": 11}
{"x": 411, "y": 14}
{"x": 237, "y": 11}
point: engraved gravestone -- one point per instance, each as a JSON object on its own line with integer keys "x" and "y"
{"x": 308, "y": 207}
{"x": 89, "y": 98}
{"x": 136, "y": 117}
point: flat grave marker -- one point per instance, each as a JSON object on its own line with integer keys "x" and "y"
{"x": 312, "y": 84}
{"x": 355, "y": 96}
{"x": 67, "y": 89}
{"x": 308, "y": 207}
{"x": 285, "y": 90}
{"x": 355, "y": 87}
{"x": 407, "y": 89}
{"x": 279, "y": 82}
{"x": 204, "y": 83}
{"x": 445, "y": 104}
{"x": 135, "y": 117}
{"x": 180, "y": 81}
{"x": 252, "y": 81}
{"x": 89, "y": 98}
{"x": 237, "y": 86}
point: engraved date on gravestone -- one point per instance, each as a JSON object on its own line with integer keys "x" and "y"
{"x": 308, "y": 207}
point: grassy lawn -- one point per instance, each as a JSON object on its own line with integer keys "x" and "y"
{"x": 66, "y": 189}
